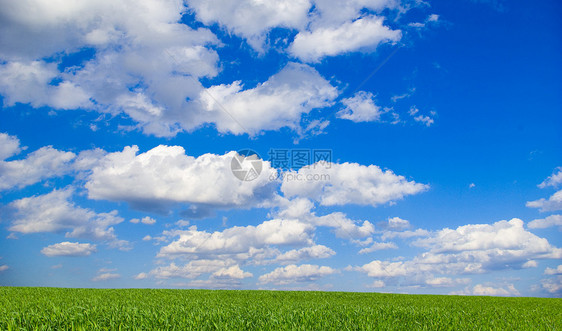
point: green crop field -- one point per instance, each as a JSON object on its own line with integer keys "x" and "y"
{"x": 146, "y": 309}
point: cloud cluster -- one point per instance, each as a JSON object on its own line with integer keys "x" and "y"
{"x": 69, "y": 249}
{"x": 547, "y": 222}
{"x": 9, "y": 146}
{"x": 139, "y": 60}
{"x": 351, "y": 183}
{"x": 238, "y": 242}
{"x": 279, "y": 102}
{"x": 41, "y": 164}
{"x": 553, "y": 203}
{"x": 296, "y": 273}
{"x": 366, "y": 32}
{"x": 469, "y": 249}
{"x": 55, "y": 212}
{"x": 44, "y": 163}
{"x": 487, "y": 290}
{"x": 165, "y": 175}
{"x": 360, "y": 108}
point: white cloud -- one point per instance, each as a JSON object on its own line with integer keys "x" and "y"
{"x": 430, "y": 20}
{"x": 360, "y": 108}
{"x": 554, "y": 180}
{"x": 55, "y": 212}
{"x": 363, "y": 33}
{"x": 293, "y": 273}
{"x": 165, "y": 175}
{"x": 145, "y": 220}
{"x": 424, "y": 119}
{"x": 238, "y": 242}
{"x": 397, "y": 224}
{"x": 351, "y": 183}
{"x": 336, "y": 12}
{"x": 43, "y": 163}
{"x": 547, "y": 222}
{"x": 377, "y": 246}
{"x": 469, "y": 249}
{"x": 553, "y": 203}
{"x": 9, "y": 146}
{"x": 446, "y": 281}
{"x": 377, "y": 284}
{"x": 140, "y": 276}
{"x": 252, "y": 19}
{"x": 225, "y": 269}
{"x": 485, "y": 290}
{"x": 553, "y": 285}
{"x": 135, "y": 43}
{"x": 530, "y": 264}
{"x": 346, "y": 228}
{"x": 552, "y": 271}
{"x": 106, "y": 276}
{"x": 4, "y": 267}
{"x": 30, "y": 83}
{"x": 232, "y": 272}
{"x": 306, "y": 253}
{"x": 279, "y": 102}
{"x": 69, "y": 249}
{"x": 147, "y": 238}
{"x": 494, "y": 291}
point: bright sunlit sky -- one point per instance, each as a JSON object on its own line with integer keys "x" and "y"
{"x": 441, "y": 121}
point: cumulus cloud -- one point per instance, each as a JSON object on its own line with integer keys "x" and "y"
{"x": 553, "y": 203}
{"x": 219, "y": 269}
{"x": 279, "y": 102}
{"x": 232, "y": 272}
{"x": 106, "y": 276}
{"x": 360, "y": 108}
{"x": 4, "y": 267}
{"x": 238, "y": 242}
{"x": 166, "y": 175}
{"x": 293, "y": 273}
{"x": 485, "y": 290}
{"x": 55, "y": 212}
{"x": 306, "y": 253}
{"x": 377, "y": 246}
{"x": 554, "y": 180}
{"x": 351, "y": 183}
{"x": 396, "y": 224}
{"x": 9, "y": 146}
{"x": 145, "y": 220}
{"x": 69, "y": 249}
{"x": 553, "y": 285}
{"x": 344, "y": 227}
{"x": 446, "y": 281}
{"x": 469, "y": 249}
{"x": 364, "y": 33}
{"x": 252, "y": 19}
{"x": 145, "y": 64}
{"x": 43, "y": 163}
{"x": 142, "y": 63}
{"x": 29, "y": 82}
{"x": 547, "y": 222}
{"x": 552, "y": 271}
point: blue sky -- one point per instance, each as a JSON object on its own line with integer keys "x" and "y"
{"x": 442, "y": 120}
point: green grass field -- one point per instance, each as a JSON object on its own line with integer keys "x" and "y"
{"x": 145, "y": 309}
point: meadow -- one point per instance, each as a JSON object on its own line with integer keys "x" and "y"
{"x": 151, "y": 309}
